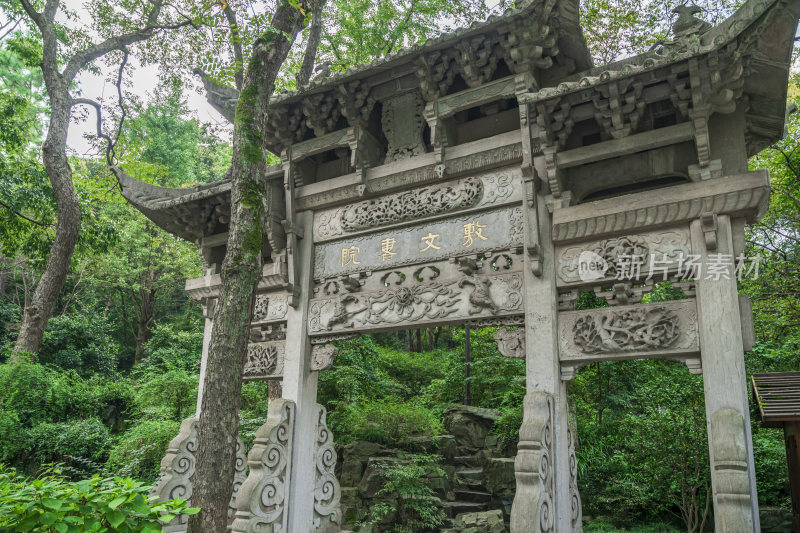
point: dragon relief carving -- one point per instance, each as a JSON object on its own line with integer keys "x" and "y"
{"x": 412, "y": 205}
{"x": 643, "y": 328}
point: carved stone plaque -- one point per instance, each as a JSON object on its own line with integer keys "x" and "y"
{"x": 468, "y": 234}
{"x": 492, "y": 189}
{"x": 664, "y": 329}
{"x": 660, "y": 251}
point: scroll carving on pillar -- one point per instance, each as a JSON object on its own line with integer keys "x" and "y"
{"x": 533, "y": 468}
{"x": 327, "y": 492}
{"x": 177, "y": 470}
{"x": 261, "y": 503}
{"x": 732, "y": 503}
{"x": 511, "y": 343}
{"x": 576, "y": 509}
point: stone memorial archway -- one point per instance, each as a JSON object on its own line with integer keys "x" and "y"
{"x": 488, "y": 178}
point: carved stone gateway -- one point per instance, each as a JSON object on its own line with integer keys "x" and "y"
{"x": 490, "y": 177}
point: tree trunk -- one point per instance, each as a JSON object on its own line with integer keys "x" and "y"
{"x": 146, "y": 316}
{"x": 218, "y": 425}
{"x": 314, "y": 34}
{"x": 40, "y": 308}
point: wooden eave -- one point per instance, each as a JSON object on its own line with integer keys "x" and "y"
{"x": 777, "y": 395}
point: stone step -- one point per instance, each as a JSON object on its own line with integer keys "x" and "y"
{"x": 455, "y": 508}
{"x": 473, "y": 496}
{"x": 466, "y": 460}
{"x": 469, "y": 478}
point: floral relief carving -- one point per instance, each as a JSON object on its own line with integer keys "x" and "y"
{"x": 666, "y": 247}
{"x": 412, "y": 303}
{"x": 412, "y": 205}
{"x": 634, "y": 329}
{"x": 270, "y": 307}
{"x": 264, "y": 359}
{"x": 498, "y": 188}
{"x": 327, "y": 492}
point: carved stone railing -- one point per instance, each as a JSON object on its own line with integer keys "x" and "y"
{"x": 261, "y": 503}
{"x": 178, "y": 467}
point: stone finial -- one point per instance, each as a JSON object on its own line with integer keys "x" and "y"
{"x": 687, "y": 23}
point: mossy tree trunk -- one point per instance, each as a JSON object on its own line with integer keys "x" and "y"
{"x": 219, "y": 424}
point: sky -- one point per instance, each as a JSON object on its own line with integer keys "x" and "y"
{"x": 143, "y": 80}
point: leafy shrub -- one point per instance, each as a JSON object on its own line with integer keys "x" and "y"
{"x": 417, "y": 508}
{"x": 772, "y": 478}
{"x": 413, "y": 372}
{"x": 53, "y": 442}
{"x": 51, "y": 504}
{"x": 172, "y": 394}
{"x": 13, "y": 437}
{"x": 171, "y": 348}
{"x": 355, "y": 374}
{"x": 384, "y": 422}
{"x": 39, "y": 394}
{"x": 79, "y": 343}
{"x": 254, "y": 401}
{"x": 139, "y": 450}
{"x": 9, "y": 314}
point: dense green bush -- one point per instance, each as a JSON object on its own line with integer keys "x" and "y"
{"x": 79, "y": 343}
{"x": 139, "y": 450}
{"x": 54, "y": 442}
{"x": 413, "y": 372}
{"x": 14, "y": 440}
{"x": 172, "y": 394}
{"x": 51, "y": 504}
{"x": 384, "y": 421}
{"x": 172, "y": 349}
{"x": 772, "y": 477}
{"x": 355, "y": 373}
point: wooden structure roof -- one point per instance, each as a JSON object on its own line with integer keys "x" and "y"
{"x": 778, "y": 397}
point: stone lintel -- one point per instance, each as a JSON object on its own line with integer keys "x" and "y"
{"x": 743, "y": 195}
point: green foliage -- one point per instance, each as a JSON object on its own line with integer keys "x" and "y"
{"x": 56, "y": 442}
{"x": 172, "y": 394}
{"x": 51, "y": 504}
{"x": 139, "y": 450}
{"x": 416, "y": 507}
{"x": 772, "y": 477}
{"x": 171, "y": 348}
{"x": 384, "y": 421}
{"x": 79, "y": 343}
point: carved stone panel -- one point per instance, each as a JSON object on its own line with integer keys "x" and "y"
{"x": 442, "y": 292}
{"x": 665, "y": 329}
{"x": 264, "y": 360}
{"x": 327, "y": 492}
{"x": 441, "y": 239}
{"x": 261, "y": 503}
{"x": 178, "y": 467}
{"x": 511, "y": 343}
{"x": 597, "y": 261}
{"x": 402, "y": 122}
{"x": 270, "y": 306}
{"x": 322, "y": 356}
{"x": 489, "y": 190}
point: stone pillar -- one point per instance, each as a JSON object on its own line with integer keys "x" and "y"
{"x": 546, "y": 498}
{"x": 722, "y": 354}
{"x": 300, "y": 386}
{"x": 208, "y": 312}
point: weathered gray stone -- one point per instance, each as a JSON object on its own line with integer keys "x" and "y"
{"x": 775, "y": 520}
{"x": 470, "y": 426}
{"x": 486, "y": 522}
{"x": 499, "y": 475}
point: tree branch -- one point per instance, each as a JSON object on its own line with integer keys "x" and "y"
{"x": 118, "y": 42}
{"x": 314, "y": 34}
{"x": 17, "y": 213}
{"x": 12, "y": 28}
{"x": 236, "y": 43}
{"x": 221, "y": 97}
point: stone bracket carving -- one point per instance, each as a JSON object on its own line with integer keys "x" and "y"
{"x": 178, "y": 467}
{"x": 263, "y": 498}
{"x": 511, "y": 343}
{"x": 294, "y": 232}
{"x": 576, "y": 508}
{"x": 533, "y": 509}
{"x": 322, "y": 356}
{"x": 327, "y": 492}
{"x": 710, "y": 227}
